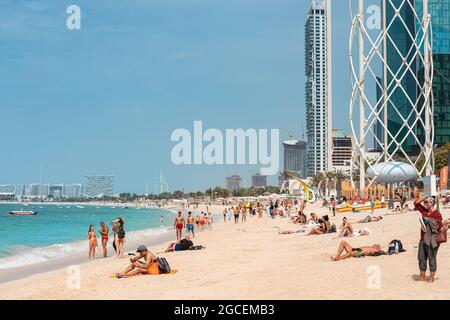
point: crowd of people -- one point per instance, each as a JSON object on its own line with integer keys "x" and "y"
{"x": 433, "y": 231}
{"x": 118, "y": 232}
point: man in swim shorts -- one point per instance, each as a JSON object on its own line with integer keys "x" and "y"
{"x": 140, "y": 267}
{"x": 179, "y": 225}
{"x": 190, "y": 225}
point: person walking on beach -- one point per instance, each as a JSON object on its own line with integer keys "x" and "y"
{"x": 244, "y": 214}
{"x": 210, "y": 221}
{"x": 179, "y": 224}
{"x": 120, "y": 231}
{"x": 104, "y": 233}
{"x": 229, "y": 213}
{"x": 333, "y": 206}
{"x": 92, "y": 242}
{"x": 225, "y": 215}
{"x": 431, "y": 224}
{"x": 236, "y": 215}
{"x": 190, "y": 225}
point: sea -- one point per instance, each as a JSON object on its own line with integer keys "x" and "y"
{"x": 61, "y": 230}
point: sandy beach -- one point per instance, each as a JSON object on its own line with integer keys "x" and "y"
{"x": 252, "y": 261}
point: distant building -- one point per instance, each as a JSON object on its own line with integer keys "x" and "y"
{"x": 342, "y": 151}
{"x": 99, "y": 185}
{"x": 20, "y": 190}
{"x": 7, "y": 188}
{"x": 295, "y": 155}
{"x": 259, "y": 181}
{"x": 73, "y": 191}
{"x": 233, "y": 183}
{"x": 318, "y": 87}
{"x": 56, "y": 190}
{"x": 39, "y": 190}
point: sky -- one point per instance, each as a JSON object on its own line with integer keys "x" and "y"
{"x": 105, "y": 99}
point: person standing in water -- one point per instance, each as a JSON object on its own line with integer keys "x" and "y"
{"x": 92, "y": 242}
{"x": 120, "y": 237}
{"x": 104, "y": 233}
{"x": 190, "y": 224}
{"x": 161, "y": 220}
{"x": 179, "y": 224}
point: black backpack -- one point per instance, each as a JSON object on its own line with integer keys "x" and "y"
{"x": 395, "y": 247}
{"x": 163, "y": 265}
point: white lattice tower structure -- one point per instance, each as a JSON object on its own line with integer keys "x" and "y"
{"x": 371, "y": 71}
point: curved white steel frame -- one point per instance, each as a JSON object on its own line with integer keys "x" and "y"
{"x": 371, "y": 55}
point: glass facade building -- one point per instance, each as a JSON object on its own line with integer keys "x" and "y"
{"x": 295, "y": 158}
{"x": 398, "y": 49}
{"x": 99, "y": 185}
{"x": 440, "y": 17}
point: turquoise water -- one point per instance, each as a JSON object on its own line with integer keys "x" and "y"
{"x": 58, "y": 231}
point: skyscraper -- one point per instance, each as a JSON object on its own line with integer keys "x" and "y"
{"x": 99, "y": 185}
{"x": 318, "y": 87}
{"x": 233, "y": 183}
{"x": 401, "y": 60}
{"x": 259, "y": 181}
{"x": 295, "y": 157}
{"x": 440, "y": 17}
{"x": 342, "y": 151}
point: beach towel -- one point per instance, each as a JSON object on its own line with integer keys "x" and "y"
{"x": 362, "y": 232}
{"x": 142, "y": 274}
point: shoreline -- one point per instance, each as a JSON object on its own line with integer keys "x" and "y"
{"x": 239, "y": 261}
{"x": 32, "y": 269}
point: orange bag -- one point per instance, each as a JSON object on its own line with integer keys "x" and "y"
{"x": 153, "y": 268}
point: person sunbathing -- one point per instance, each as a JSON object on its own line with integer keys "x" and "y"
{"x": 313, "y": 218}
{"x": 321, "y": 229}
{"x": 182, "y": 245}
{"x": 346, "y": 229}
{"x": 283, "y": 232}
{"x": 300, "y": 218}
{"x": 369, "y": 219}
{"x": 140, "y": 267}
{"x": 346, "y": 251}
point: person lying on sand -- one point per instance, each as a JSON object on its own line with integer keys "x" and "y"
{"x": 283, "y": 232}
{"x": 346, "y": 251}
{"x": 140, "y": 267}
{"x": 182, "y": 245}
{"x": 369, "y": 219}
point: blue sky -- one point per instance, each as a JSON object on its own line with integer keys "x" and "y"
{"x": 105, "y": 99}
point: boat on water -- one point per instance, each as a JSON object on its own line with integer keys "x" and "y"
{"x": 22, "y": 213}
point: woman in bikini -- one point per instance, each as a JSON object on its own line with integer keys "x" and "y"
{"x": 104, "y": 233}
{"x": 321, "y": 229}
{"x": 92, "y": 242}
{"x": 210, "y": 221}
{"x": 346, "y": 251}
{"x": 346, "y": 229}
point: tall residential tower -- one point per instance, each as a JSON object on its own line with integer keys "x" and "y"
{"x": 318, "y": 88}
